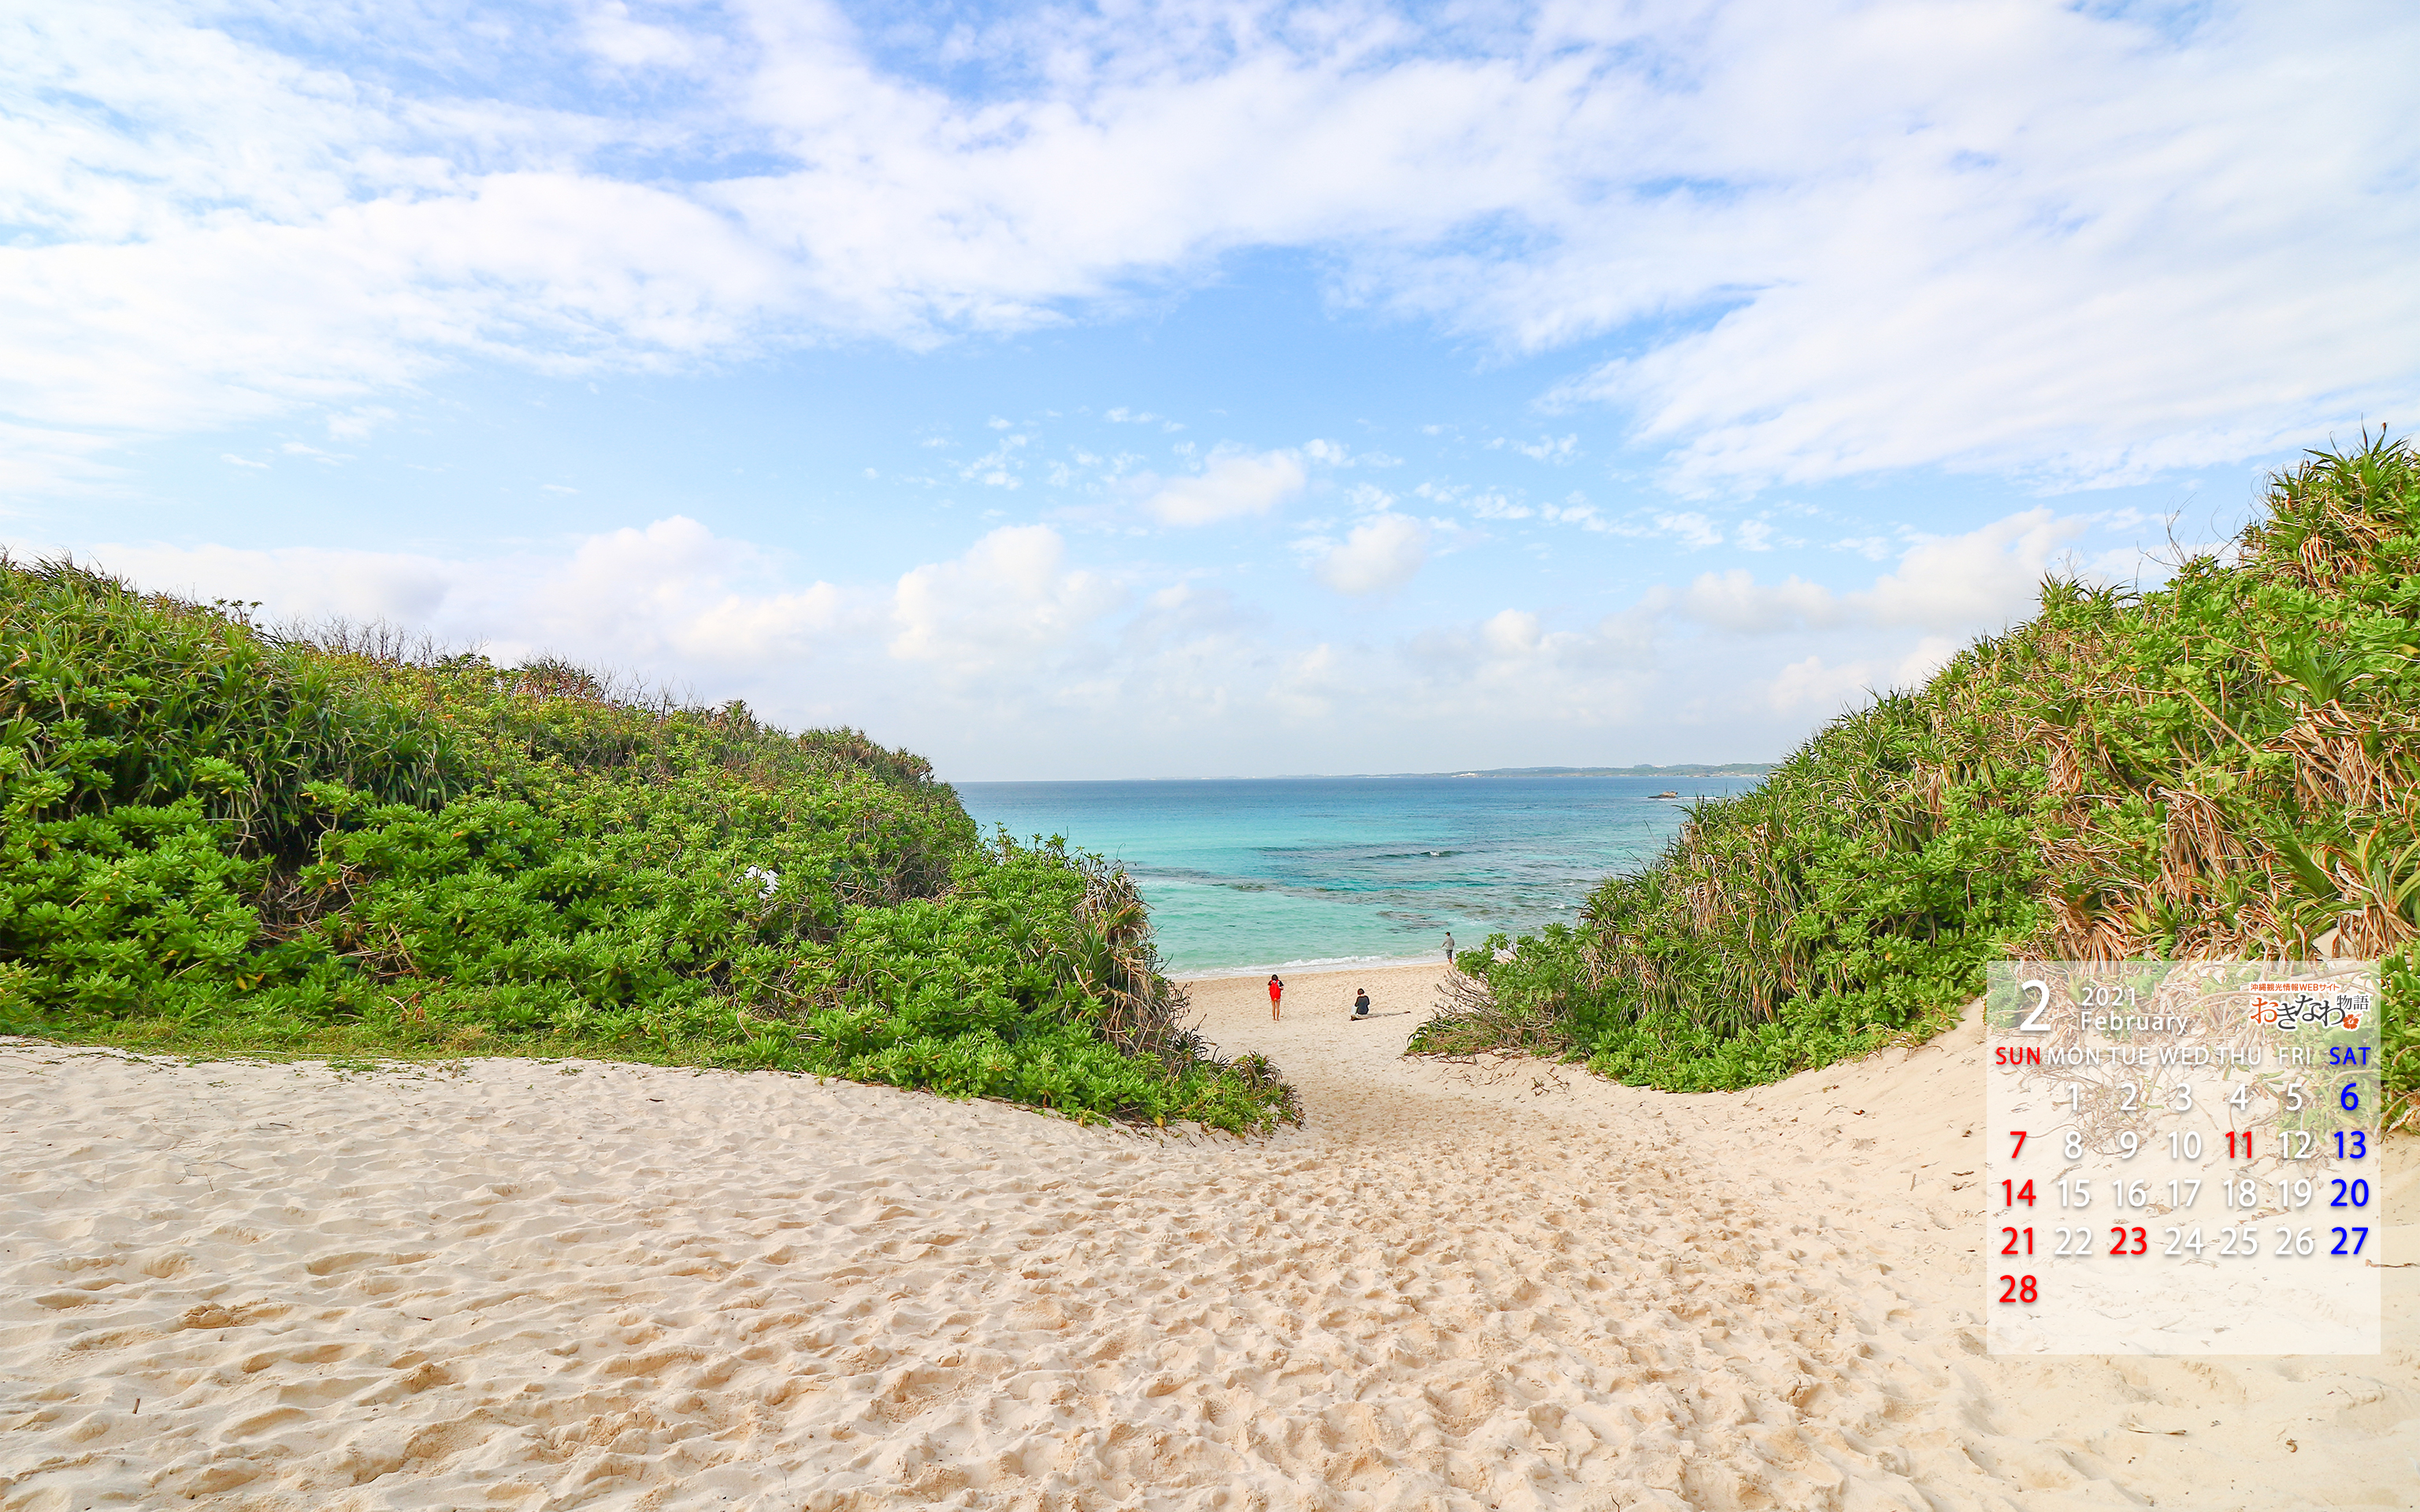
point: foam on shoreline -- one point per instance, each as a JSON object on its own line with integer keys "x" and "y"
{"x": 1326, "y": 965}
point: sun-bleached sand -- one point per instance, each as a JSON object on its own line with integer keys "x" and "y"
{"x": 521, "y": 1284}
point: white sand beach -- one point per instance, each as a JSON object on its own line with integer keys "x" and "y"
{"x": 538, "y": 1285}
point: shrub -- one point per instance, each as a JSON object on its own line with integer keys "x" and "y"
{"x": 219, "y": 838}
{"x": 2226, "y": 767}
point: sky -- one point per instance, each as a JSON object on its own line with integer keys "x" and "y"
{"x": 1194, "y": 389}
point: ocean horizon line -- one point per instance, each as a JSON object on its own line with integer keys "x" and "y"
{"x": 1705, "y": 769}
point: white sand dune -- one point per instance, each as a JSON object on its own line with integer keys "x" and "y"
{"x": 528, "y": 1284}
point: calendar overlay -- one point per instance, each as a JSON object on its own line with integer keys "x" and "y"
{"x": 2183, "y": 1157}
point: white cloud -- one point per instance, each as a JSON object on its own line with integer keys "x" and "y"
{"x": 355, "y": 423}
{"x": 676, "y": 592}
{"x": 609, "y": 32}
{"x": 1960, "y": 584}
{"x": 1810, "y": 688}
{"x": 667, "y": 598}
{"x": 1691, "y": 529}
{"x": 1549, "y": 449}
{"x": 1235, "y": 485}
{"x": 1493, "y": 505}
{"x": 37, "y": 459}
{"x": 1512, "y": 633}
{"x": 1977, "y": 580}
{"x": 308, "y": 582}
{"x": 1515, "y": 670}
{"x": 1735, "y": 601}
{"x": 1338, "y": 454}
{"x": 2031, "y": 239}
{"x": 1313, "y": 682}
{"x": 1011, "y": 597}
{"x": 999, "y": 466}
{"x": 1929, "y": 656}
{"x": 2002, "y": 234}
{"x": 1383, "y": 552}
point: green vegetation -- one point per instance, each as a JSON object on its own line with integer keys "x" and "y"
{"x": 2228, "y": 766}
{"x": 220, "y": 840}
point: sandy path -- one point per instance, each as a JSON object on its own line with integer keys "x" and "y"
{"x": 527, "y": 1285}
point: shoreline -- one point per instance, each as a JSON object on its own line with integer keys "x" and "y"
{"x": 1318, "y": 966}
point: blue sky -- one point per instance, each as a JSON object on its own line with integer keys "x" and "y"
{"x": 1199, "y": 389}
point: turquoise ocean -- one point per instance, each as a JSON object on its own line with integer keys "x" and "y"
{"x": 1275, "y": 874}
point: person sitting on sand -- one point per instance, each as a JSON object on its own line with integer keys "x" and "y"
{"x": 1361, "y": 1002}
{"x": 1276, "y": 990}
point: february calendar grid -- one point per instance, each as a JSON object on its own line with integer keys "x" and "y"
{"x": 2183, "y": 1157}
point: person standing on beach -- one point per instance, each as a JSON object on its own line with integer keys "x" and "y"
{"x": 1449, "y": 947}
{"x": 1276, "y": 990}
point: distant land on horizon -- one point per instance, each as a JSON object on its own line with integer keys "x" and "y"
{"x": 1726, "y": 769}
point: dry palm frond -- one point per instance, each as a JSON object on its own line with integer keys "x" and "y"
{"x": 1468, "y": 1022}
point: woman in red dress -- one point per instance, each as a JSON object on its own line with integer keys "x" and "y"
{"x": 1276, "y": 990}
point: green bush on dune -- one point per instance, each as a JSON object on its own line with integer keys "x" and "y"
{"x": 2226, "y": 767}
{"x": 217, "y": 839}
